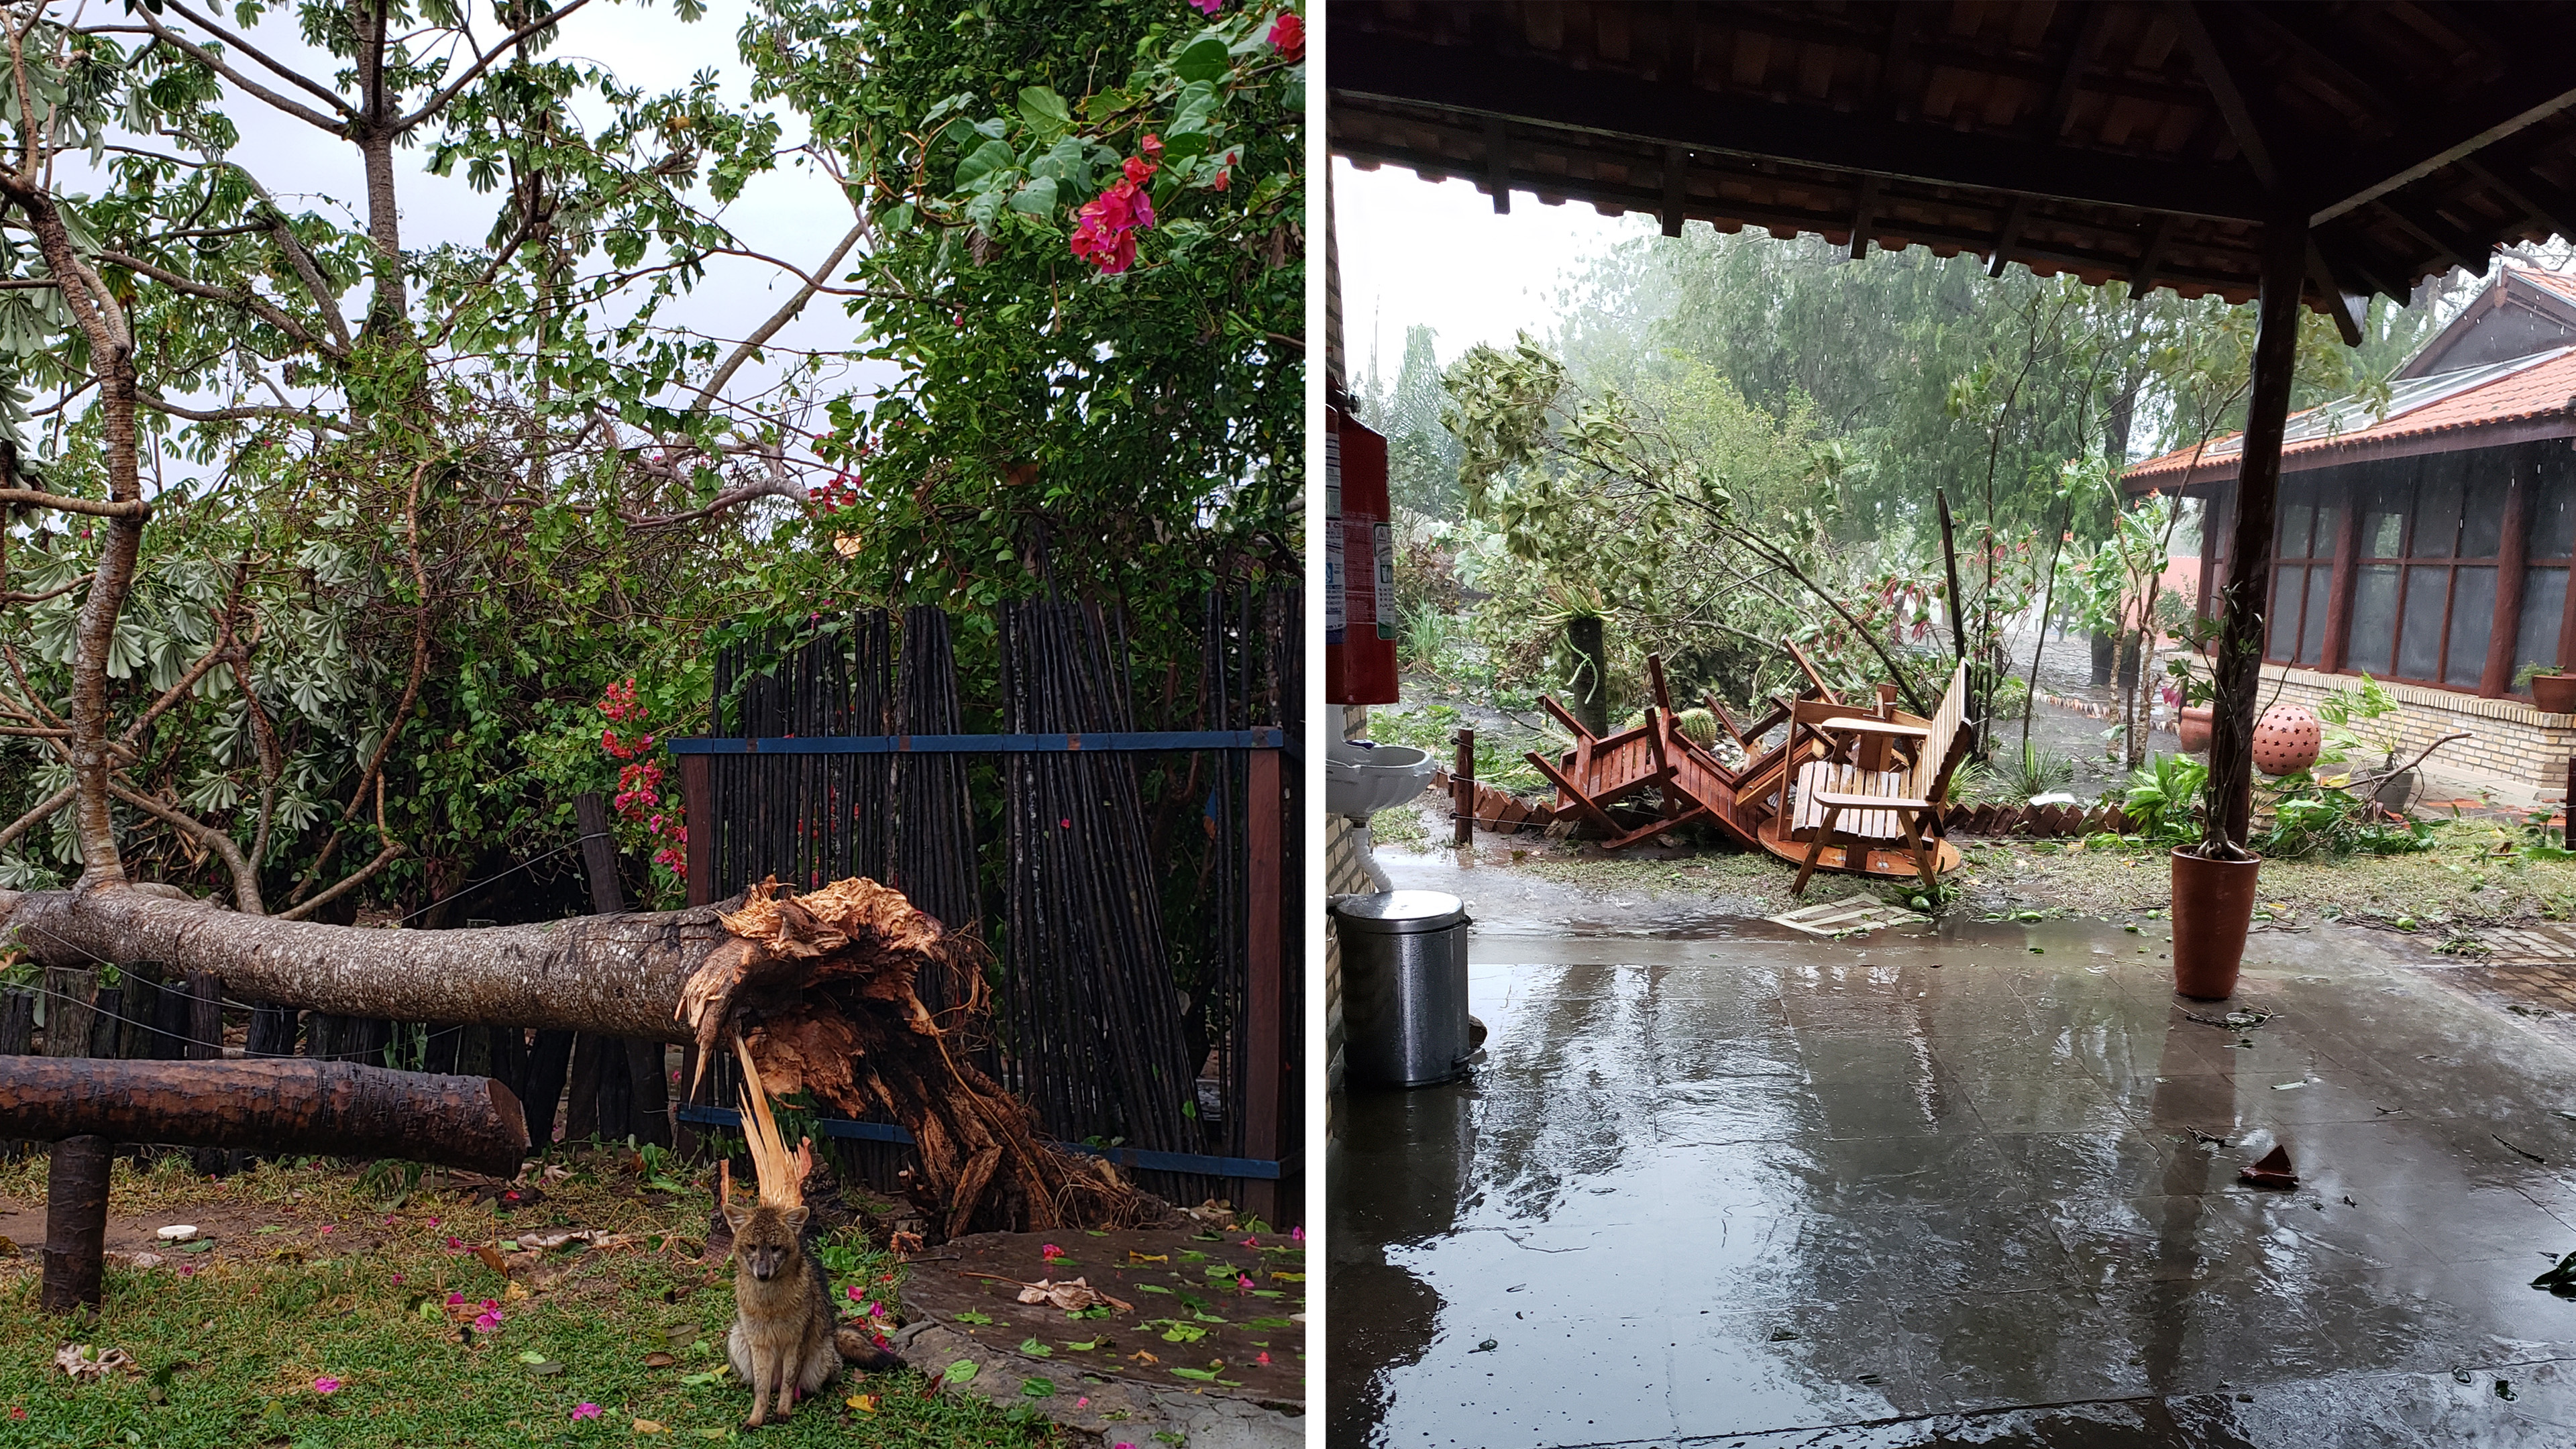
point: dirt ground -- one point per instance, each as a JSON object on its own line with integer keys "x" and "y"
{"x": 2460, "y": 885}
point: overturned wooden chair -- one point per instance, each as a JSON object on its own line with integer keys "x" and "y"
{"x": 1868, "y": 778}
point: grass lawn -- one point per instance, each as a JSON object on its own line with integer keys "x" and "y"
{"x": 321, "y": 1316}
{"x": 2459, "y": 885}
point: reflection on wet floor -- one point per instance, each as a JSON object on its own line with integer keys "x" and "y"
{"x": 1920, "y": 1188}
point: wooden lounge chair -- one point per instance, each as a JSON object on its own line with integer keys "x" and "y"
{"x": 1879, "y": 777}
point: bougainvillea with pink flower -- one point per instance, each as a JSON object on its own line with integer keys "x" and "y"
{"x": 639, "y": 798}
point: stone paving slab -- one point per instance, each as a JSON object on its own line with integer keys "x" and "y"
{"x": 1942, "y": 1187}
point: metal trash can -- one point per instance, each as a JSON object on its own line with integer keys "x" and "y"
{"x": 1404, "y": 987}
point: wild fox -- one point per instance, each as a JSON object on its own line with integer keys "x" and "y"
{"x": 784, "y": 1340}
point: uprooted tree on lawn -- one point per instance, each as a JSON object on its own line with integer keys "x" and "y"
{"x": 415, "y": 473}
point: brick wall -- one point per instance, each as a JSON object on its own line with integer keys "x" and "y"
{"x": 1344, "y": 874}
{"x": 2513, "y": 744}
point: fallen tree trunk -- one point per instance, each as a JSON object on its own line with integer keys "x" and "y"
{"x": 618, "y": 975}
{"x": 332, "y": 1108}
{"x": 822, "y": 987}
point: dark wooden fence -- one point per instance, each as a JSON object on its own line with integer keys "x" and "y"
{"x": 1125, "y": 848}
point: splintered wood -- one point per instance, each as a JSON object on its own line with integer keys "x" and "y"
{"x": 1852, "y": 915}
{"x": 822, "y": 988}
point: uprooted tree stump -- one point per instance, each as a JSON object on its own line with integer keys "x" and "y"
{"x": 821, "y": 985}
{"x": 331, "y": 1108}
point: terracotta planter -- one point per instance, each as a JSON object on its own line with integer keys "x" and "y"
{"x": 2213, "y": 904}
{"x": 2192, "y": 723}
{"x": 2286, "y": 739}
{"x": 2555, "y": 693}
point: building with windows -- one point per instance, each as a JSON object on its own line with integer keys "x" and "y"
{"x": 2429, "y": 545}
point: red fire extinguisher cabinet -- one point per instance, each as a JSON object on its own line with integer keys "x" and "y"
{"x": 1359, "y": 566}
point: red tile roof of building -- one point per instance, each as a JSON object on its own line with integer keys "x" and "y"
{"x": 2542, "y": 389}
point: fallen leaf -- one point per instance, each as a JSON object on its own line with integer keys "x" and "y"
{"x": 647, "y": 1426}
{"x": 76, "y": 1361}
{"x": 492, "y": 1258}
{"x": 1141, "y": 1356}
{"x": 1136, "y": 1257}
{"x": 864, "y": 1403}
{"x": 1071, "y": 1296}
{"x": 659, "y": 1360}
{"x": 513, "y": 1293}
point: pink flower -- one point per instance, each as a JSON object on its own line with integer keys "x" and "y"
{"x": 454, "y": 1299}
{"x": 326, "y": 1386}
{"x": 1051, "y": 1252}
{"x": 1288, "y": 37}
{"x": 1208, "y": 7}
{"x": 490, "y": 1303}
{"x": 853, "y": 1291}
{"x": 1242, "y": 1283}
{"x": 433, "y": 1222}
{"x": 1252, "y": 1242}
{"x": 585, "y": 1411}
{"x": 1265, "y": 1358}
{"x": 326, "y": 1230}
{"x": 1299, "y": 1234}
{"x": 397, "y": 1278}
{"x": 487, "y": 1323}
{"x": 1083, "y": 1403}
{"x": 455, "y": 1245}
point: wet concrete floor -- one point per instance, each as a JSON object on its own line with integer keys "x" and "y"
{"x": 1977, "y": 1184}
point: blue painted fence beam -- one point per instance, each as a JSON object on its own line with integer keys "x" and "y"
{"x": 1122, "y": 741}
{"x": 1129, "y": 1157}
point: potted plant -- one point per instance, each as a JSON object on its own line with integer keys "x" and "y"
{"x": 2214, "y": 880}
{"x": 2552, "y": 688}
{"x": 2366, "y": 720}
{"x": 2190, "y": 693}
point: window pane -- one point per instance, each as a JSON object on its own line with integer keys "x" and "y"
{"x": 2289, "y": 587}
{"x": 2437, "y": 508}
{"x": 2374, "y": 618}
{"x": 2544, "y": 600}
{"x": 2472, "y": 625}
{"x": 2553, "y": 513}
{"x": 2386, "y": 491}
{"x": 2312, "y": 634}
{"x": 2419, "y": 633}
{"x": 2482, "y": 524}
{"x": 2295, "y": 518}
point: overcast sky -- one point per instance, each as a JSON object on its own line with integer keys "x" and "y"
{"x": 794, "y": 214}
{"x": 1434, "y": 252}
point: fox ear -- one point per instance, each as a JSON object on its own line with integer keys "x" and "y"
{"x": 735, "y": 1217}
{"x": 795, "y": 1218}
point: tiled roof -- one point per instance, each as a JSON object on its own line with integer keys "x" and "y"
{"x": 2541, "y": 386}
{"x": 2562, "y": 283}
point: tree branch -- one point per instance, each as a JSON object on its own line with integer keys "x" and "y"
{"x": 245, "y": 878}
{"x": 53, "y": 805}
{"x": 438, "y": 100}
{"x": 94, "y": 507}
{"x": 338, "y": 125}
{"x": 780, "y": 318}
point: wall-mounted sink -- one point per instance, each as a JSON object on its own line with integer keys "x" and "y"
{"x": 1361, "y": 779}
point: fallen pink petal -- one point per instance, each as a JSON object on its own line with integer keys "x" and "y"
{"x": 585, "y": 1411}
{"x": 326, "y": 1386}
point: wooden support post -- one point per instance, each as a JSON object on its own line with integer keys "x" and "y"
{"x": 647, "y": 1084}
{"x": 2239, "y": 666}
{"x": 1266, "y": 1062}
{"x": 68, "y": 1013}
{"x": 2339, "y": 588}
{"x": 697, "y": 802}
{"x": 2567, "y": 818}
{"x": 2513, "y": 548}
{"x": 1462, "y": 789}
{"x": 75, "y": 1224}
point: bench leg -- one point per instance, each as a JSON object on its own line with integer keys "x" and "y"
{"x": 1816, "y": 848}
{"x": 1925, "y": 860}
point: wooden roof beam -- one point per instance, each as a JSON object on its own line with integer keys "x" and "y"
{"x": 1498, "y": 164}
{"x": 2463, "y": 249}
{"x": 2545, "y": 203}
{"x": 1863, "y": 207}
{"x": 2223, "y": 91}
{"x": 2007, "y": 234}
{"x": 2346, "y": 309}
{"x": 1535, "y": 92}
{"x": 2061, "y": 101}
{"x": 2531, "y": 91}
{"x": 1676, "y": 190}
